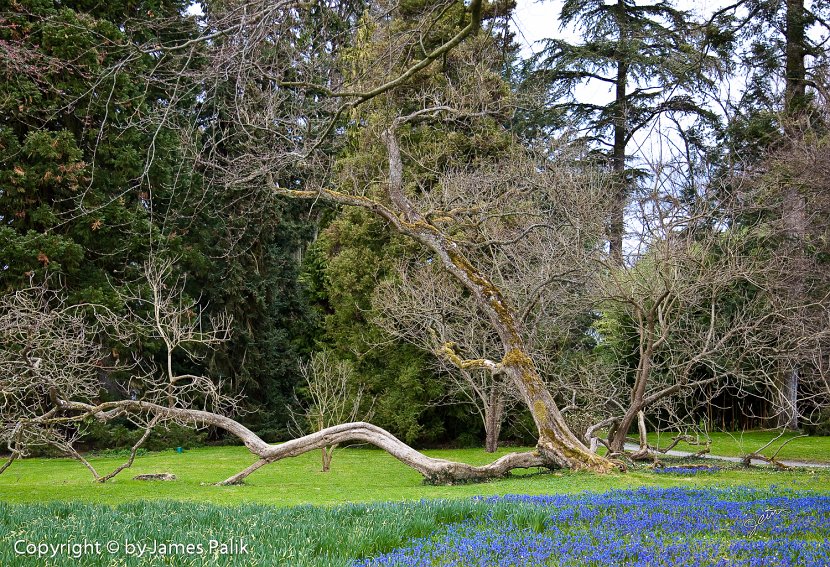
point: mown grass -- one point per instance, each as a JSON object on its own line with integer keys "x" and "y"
{"x": 808, "y": 449}
{"x": 357, "y": 475}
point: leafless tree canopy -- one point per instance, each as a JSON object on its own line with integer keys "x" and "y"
{"x": 50, "y": 351}
{"x": 536, "y": 229}
{"x": 54, "y": 366}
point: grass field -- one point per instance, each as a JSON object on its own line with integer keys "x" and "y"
{"x": 809, "y": 449}
{"x": 654, "y": 526}
{"x": 357, "y": 475}
{"x": 372, "y": 508}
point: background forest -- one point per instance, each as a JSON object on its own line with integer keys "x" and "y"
{"x": 652, "y": 198}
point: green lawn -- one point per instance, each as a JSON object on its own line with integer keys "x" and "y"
{"x": 357, "y": 475}
{"x": 51, "y": 501}
{"x": 809, "y": 449}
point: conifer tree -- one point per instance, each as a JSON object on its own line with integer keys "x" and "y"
{"x": 648, "y": 55}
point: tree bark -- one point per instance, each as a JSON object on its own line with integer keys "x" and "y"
{"x": 326, "y": 454}
{"x": 492, "y": 423}
{"x": 638, "y": 391}
{"x": 617, "y": 222}
{"x": 643, "y": 452}
{"x": 438, "y": 471}
{"x": 788, "y": 400}
{"x": 795, "y": 71}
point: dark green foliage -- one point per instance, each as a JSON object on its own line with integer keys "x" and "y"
{"x": 256, "y": 280}
{"x": 342, "y": 268}
{"x": 75, "y": 175}
{"x": 118, "y": 438}
{"x": 820, "y": 425}
{"x": 356, "y": 250}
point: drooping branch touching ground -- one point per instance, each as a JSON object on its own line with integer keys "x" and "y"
{"x": 437, "y": 471}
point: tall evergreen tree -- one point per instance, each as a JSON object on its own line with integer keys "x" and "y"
{"x": 648, "y": 54}
{"x": 74, "y": 172}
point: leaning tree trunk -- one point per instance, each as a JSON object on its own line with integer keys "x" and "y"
{"x": 438, "y": 471}
{"x": 618, "y": 436}
{"x": 557, "y": 446}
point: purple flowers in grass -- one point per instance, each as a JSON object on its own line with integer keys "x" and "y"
{"x": 686, "y": 471}
{"x": 649, "y": 526}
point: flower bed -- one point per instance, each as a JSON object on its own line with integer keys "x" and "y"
{"x": 649, "y": 526}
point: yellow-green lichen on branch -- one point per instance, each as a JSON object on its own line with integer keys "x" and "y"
{"x": 448, "y": 351}
{"x": 488, "y": 291}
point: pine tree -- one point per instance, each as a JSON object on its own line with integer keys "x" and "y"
{"x": 648, "y": 54}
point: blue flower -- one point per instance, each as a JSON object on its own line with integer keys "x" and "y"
{"x": 646, "y": 526}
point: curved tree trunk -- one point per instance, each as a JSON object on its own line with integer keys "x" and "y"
{"x": 437, "y": 471}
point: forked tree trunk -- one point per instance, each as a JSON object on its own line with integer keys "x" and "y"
{"x": 643, "y": 452}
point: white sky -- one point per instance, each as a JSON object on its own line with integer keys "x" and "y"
{"x": 534, "y": 20}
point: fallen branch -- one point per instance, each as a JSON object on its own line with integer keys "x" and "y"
{"x": 689, "y": 440}
{"x": 436, "y": 471}
{"x": 758, "y": 456}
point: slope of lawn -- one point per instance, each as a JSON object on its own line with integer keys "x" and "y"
{"x": 357, "y": 475}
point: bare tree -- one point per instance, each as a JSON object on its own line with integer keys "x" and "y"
{"x": 699, "y": 313}
{"x": 534, "y": 233}
{"x": 421, "y": 305}
{"x": 332, "y": 398}
{"x": 53, "y": 360}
